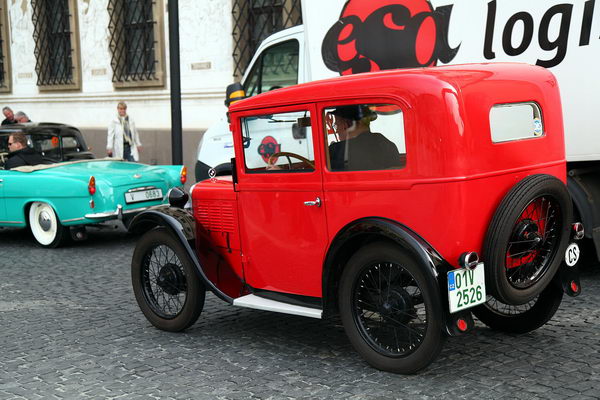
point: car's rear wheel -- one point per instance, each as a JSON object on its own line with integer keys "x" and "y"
{"x": 45, "y": 226}
{"x": 527, "y": 238}
{"x": 391, "y": 318}
{"x": 165, "y": 284}
{"x": 520, "y": 318}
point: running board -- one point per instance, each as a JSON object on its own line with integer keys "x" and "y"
{"x": 260, "y": 303}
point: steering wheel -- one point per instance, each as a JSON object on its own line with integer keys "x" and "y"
{"x": 287, "y": 155}
{"x": 3, "y": 157}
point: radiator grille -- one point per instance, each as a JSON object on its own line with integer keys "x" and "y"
{"x": 216, "y": 216}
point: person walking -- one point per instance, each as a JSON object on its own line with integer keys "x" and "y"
{"x": 9, "y": 116}
{"x": 21, "y": 117}
{"x": 123, "y": 140}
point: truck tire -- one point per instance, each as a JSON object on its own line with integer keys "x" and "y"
{"x": 165, "y": 283}
{"x": 527, "y": 238}
{"x": 521, "y": 318}
{"x": 390, "y": 316}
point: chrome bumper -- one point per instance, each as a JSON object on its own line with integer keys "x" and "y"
{"x": 118, "y": 213}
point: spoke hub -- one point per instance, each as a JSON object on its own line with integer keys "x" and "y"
{"x": 171, "y": 279}
{"x": 526, "y": 238}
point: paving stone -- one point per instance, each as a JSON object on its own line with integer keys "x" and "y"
{"x": 71, "y": 328}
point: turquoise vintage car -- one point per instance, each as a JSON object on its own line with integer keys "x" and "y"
{"x": 57, "y": 200}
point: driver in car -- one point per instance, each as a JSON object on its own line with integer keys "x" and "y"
{"x": 359, "y": 149}
{"x": 19, "y": 153}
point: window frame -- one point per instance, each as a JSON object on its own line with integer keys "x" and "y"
{"x": 538, "y": 114}
{"x": 6, "y": 82}
{"x": 325, "y": 106}
{"x": 75, "y": 53}
{"x": 117, "y": 48}
{"x": 309, "y": 138}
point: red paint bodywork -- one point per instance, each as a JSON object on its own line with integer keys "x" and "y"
{"x": 260, "y": 233}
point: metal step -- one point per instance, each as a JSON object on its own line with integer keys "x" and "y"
{"x": 260, "y": 303}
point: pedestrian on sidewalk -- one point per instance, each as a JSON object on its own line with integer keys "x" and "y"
{"x": 123, "y": 140}
{"x": 9, "y": 116}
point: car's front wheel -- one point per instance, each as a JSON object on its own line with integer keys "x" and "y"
{"x": 165, "y": 285}
{"x": 390, "y": 316}
{"x": 45, "y": 226}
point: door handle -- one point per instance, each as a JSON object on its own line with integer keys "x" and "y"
{"x": 316, "y": 202}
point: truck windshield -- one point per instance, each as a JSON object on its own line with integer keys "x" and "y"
{"x": 277, "y": 67}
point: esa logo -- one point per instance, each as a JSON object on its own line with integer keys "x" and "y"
{"x": 268, "y": 146}
{"x": 385, "y": 34}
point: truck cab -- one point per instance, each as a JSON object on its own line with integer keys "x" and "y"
{"x": 406, "y": 202}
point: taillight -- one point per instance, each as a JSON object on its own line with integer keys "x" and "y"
{"x": 183, "y": 175}
{"x": 92, "y": 185}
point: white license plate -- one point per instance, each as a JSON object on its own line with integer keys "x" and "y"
{"x": 143, "y": 195}
{"x": 466, "y": 288}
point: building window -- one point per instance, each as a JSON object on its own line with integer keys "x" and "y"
{"x": 136, "y": 43}
{"x": 5, "y": 78}
{"x": 55, "y": 33}
{"x": 254, "y": 20}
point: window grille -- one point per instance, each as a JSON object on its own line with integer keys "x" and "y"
{"x": 254, "y": 20}
{"x": 56, "y": 50}
{"x": 5, "y": 78}
{"x": 136, "y": 48}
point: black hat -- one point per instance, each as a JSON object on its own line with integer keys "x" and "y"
{"x": 354, "y": 112}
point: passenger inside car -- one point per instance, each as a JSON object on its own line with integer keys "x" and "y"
{"x": 357, "y": 148}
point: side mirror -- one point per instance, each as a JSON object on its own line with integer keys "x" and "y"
{"x": 234, "y": 92}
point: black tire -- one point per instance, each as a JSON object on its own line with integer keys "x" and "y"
{"x": 402, "y": 332}
{"x": 521, "y": 318}
{"x": 527, "y": 238}
{"x": 45, "y": 226}
{"x": 165, "y": 284}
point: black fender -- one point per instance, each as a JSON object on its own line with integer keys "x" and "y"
{"x": 366, "y": 230}
{"x": 183, "y": 227}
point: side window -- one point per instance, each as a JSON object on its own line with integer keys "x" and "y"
{"x": 365, "y": 137}
{"x": 276, "y": 68}
{"x": 278, "y": 142}
{"x": 47, "y": 144}
{"x": 515, "y": 121}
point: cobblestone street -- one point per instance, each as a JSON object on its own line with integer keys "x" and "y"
{"x": 71, "y": 329}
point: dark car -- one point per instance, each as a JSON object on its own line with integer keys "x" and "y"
{"x": 56, "y": 142}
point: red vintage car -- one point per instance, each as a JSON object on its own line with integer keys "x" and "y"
{"x": 403, "y": 201}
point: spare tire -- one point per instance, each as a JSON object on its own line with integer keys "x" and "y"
{"x": 526, "y": 239}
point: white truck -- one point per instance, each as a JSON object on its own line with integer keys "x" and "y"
{"x": 341, "y": 37}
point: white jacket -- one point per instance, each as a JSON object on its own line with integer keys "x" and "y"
{"x": 114, "y": 140}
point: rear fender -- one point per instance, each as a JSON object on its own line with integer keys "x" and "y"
{"x": 368, "y": 230}
{"x": 182, "y": 226}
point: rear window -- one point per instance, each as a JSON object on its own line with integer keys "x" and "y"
{"x": 516, "y": 121}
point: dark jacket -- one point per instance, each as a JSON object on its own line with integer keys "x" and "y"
{"x": 26, "y": 156}
{"x": 9, "y": 121}
{"x": 368, "y": 151}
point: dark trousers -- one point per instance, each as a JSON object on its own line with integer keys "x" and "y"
{"x": 127, "y": 152}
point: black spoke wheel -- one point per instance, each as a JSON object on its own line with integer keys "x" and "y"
{"x": 165, "y": 284}
{"x": 520, "y": 318}
{"x": 390, "y": 312}
{"x": 526, "y": 239}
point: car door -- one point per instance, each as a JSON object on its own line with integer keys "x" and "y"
{"x": 283, "y": 227}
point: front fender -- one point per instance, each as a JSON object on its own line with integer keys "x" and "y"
{"x": 182, "y": 225}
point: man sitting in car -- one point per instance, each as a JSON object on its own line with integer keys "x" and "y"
{"x": 21, "y": 154}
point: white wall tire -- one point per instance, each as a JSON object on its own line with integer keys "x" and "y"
{"x": 45, "y": 226}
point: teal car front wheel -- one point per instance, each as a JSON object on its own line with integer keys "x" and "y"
{"x": 45, "y": 226}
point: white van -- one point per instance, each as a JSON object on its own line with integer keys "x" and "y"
{"x": 351, "y": 36}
